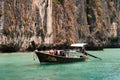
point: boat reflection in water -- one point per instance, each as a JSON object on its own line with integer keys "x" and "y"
{"x": 62, "y": 56}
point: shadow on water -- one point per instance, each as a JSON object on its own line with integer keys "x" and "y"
{"x": 59, "y": 64}
{"x": 47, "y": 64}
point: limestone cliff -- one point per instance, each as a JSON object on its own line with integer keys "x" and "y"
{"x": 57, "y": 23}
{"x": 85, "y": 21}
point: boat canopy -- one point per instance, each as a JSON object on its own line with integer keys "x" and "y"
{"x": 78, "y": 44}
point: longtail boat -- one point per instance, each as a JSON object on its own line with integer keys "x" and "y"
{"x": 62, "y": 56}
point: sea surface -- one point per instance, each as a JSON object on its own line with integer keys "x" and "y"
{"x": 22, "y": 66}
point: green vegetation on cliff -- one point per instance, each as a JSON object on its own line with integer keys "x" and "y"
{"x": 24, "y": 21}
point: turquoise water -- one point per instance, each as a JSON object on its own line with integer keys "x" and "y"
{"x": 21, "y": 66}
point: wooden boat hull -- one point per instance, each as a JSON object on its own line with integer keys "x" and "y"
{"x": 43, "y": 57}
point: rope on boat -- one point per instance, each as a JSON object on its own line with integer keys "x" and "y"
{"x": 34, "y": 56}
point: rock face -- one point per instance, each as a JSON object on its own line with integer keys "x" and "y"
{"x": 64, "y": 22}
{"x": 85, "y": 21}
{"x": 57, "y": 23}
{"x": 25, "y": 21}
